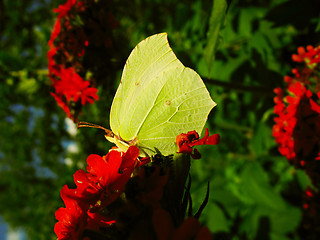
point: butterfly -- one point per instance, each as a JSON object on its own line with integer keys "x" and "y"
{"x": 158, "y": 98}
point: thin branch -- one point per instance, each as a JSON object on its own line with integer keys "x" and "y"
{"x": 241, "y": 88}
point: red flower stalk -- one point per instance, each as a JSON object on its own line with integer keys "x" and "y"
{"x": 69, "y": 86}
{"x": 297, "y": 124}
{"x": 186, "y": 142}
{"x": 79, "y": 25}
{"x": 286, "y": 122}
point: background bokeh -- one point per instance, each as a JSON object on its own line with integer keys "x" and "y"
{"x": 254, "y": 192}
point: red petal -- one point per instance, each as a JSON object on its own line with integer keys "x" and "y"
{"x": 208, "y": 140}
{"x": 185, "y": 148}
{"x": 129, "y": 159}
{"x": 96, "y": 221}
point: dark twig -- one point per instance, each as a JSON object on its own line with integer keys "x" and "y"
{"x": 241, "y": 88}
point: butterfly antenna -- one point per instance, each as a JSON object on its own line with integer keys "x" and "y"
{"x": 92, "y": 125}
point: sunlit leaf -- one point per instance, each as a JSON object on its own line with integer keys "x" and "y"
{"x": 215, "y": 23}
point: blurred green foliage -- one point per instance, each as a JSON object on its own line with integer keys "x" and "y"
{"x": 240, "y": 48}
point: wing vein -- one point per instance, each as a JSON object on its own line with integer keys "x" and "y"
{"x": 177, "y": 110}
{"x": 151, "y": 107}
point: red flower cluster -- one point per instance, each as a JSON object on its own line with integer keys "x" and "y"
{"x": 120, "y": 197}
{"x": 291, "y": 111}
{"x": 186, "y": 142}
{"x": 97, "y": 188}
{"x": 297, "y": 124}
{"x": 76, "y": 41}
{"x": 297, "y": 130}
{"x": 63, "y": 53}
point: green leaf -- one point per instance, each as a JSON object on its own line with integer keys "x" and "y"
{"x": 303, "y": 179}
{"x": 215, "y": 23}
{"x": 262, "y": 140}
{"x": 255, "y": 185}
{"x": 280, "y": 222}
{"x": 217, "y": 221}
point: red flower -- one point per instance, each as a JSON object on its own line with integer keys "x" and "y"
{"x": 71, "y": 219}
{"x": 63, "y": 9}
{"x": 66, "y": 48}
{"x": 73, "y": 87}
{"x": 186, "y": 142}
{"x": 96, "y": 221}
{"x": 54, "y": 70}
{"x": 286, "y": 121}
{"x": 106, "y": 176}
{"x": 310, "y": 56}
{"x": 101, "y": 185}
{"x": 55, "y": 32}
{"x": 61, "y": 104}
{"x": 297, "y": 124}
